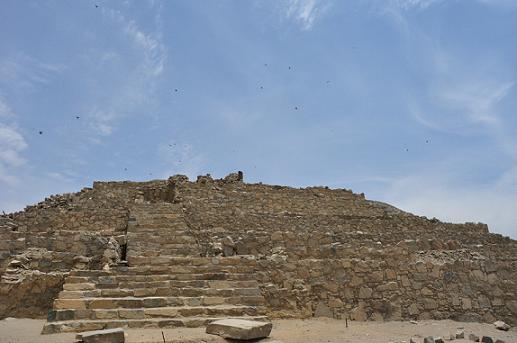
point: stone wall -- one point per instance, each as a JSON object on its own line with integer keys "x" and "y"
{"x": 318, "y": 251}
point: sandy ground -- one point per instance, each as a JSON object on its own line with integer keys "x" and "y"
{"x": 319, "y": 330}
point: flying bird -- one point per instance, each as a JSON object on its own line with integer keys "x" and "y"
{"x": 261, "y": 87}
{"x": 296, "y": 108}
{"x": 175, "y": 89}
{"x": 96, "y": 6}
{"x": 265, "y": 64}
{"x": 40, "y": 132}
{"x": 289, "y": 67}
{"x": 77, "y": 117}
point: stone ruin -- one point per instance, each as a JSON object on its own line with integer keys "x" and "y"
{"x": 168, "y": 253}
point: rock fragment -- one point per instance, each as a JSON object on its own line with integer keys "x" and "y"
{"x": 500, "y": 325}
{"x": 101, "y": 336}
{"x": 239, "y": 329}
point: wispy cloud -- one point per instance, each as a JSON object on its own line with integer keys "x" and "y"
{"x": 306, "y": 12}
{"x": 12, "y": 145}
{"x": 181, "y": 158}
{"x": 440, "y": 195}
{"x": 135, "y": 94}
{"x": 22, "y": 72}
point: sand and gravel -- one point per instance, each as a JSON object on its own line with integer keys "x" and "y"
{"x": 320, "y": 330}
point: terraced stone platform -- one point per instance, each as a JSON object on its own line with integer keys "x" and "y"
{"x": 191, "y": 293}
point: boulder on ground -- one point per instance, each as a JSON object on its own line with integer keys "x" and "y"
{"x": 101, "y": 336}
{"x": 500, "y": 325}
{"x": 429, "y": 339}
{"x": 473, "y": 338}
{"x": 487, "y": 339}
{"x": 239, "y": 329}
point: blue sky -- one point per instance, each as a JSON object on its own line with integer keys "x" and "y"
{"x": 412, "y": 102}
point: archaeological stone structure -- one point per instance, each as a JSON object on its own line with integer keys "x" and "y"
{"x": 168, "y": 253}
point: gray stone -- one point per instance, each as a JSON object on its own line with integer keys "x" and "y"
{"x": 487, "y": 339}
{"x": 460, "y": 334}
{"x": 239, "y": 329}
{"x": 429, "y": 339}
{"x": 413, "y": 340}
{"x": 102, "y": 336}
{"x": 500, "y": 325}
{"x": 438, "y": 340}
{"x": 473, "y": 338}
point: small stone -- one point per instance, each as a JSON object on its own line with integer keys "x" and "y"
{"x": 460, "y": 334}
{"x": 413, "y": 322}
{"x": 487, "y": 339}
{"x": 473, "y": 338}
{"x": 102, "y": 336}
{"x": 239, "y": 329}
{"x": 500, "y": 325}
{"x": 429, "y": 339}
{"x": 413, "y": 340}
{"x": 452, "y": 337}
{"x": 438, "y": 340}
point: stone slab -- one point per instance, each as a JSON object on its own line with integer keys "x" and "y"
{"x": 239, "y": 329}
{"x": 102, "y": 336}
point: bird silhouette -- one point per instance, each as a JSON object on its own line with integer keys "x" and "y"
{"x": 175, "y": 89}
{"x": 96, "y": 6}
{"x": 427, "y": 140}
{"x": 77, "y": 117}
{"x": 125, "y": 169}
{"x": 261, "y": 87}
{"x": 40, "y": 132}
{"x": 289, "y": 67}
{"x": 296, "y": 108}
{"x": 265, "y": 64}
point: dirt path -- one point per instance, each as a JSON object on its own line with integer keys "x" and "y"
{"x": 319, "y": 330}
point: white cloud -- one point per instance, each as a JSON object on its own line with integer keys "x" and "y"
{"x": 23, "y": 72}
{"x": 5, "y": 110}
{"x": 135, "y": 93}
{"x": 306, "y": 12}
{"x": 440, "y": 195}
{"x": 12, "y": 144}
{"x": 181, "y": 158}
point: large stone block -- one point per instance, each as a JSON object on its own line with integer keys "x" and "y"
{"x": 239, "y": 329}
{"x": 102, "y": 336}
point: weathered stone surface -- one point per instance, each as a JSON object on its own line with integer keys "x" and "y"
{"x": 102, "y": 336}
{"x": 429, "y": 339}
{"x": 239, "y": 329}
{"x": 310, "y": 251}
{"x": 500, "y": 325}
{"x": 473, "y": 337}
{"x": 487, "y": 339}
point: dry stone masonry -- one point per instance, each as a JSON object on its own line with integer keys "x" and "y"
{"x": 173, "y": 252}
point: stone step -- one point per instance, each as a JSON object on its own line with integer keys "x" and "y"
{"x": 162, "y": 292}
{"x": 136, "y": 302}
{"x": 88, "y": 325}
{"x": 161, "y": 238}
{"x": 110, "y": 284}
{"x": 164, "y": 269}
{"x": 157, "y": 312}
{"x": 116, "y": 278}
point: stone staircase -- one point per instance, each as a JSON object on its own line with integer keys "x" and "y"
{"x": 164, "y": 285}
{"x": 158, "y": 230}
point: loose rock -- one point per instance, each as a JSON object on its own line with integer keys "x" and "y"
{"x": 500, "y": 325}
{"x": 239, "y": 329}
{"x": 101, "y": 336}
